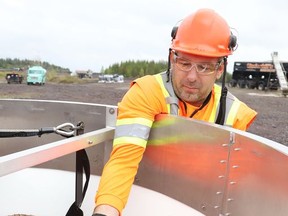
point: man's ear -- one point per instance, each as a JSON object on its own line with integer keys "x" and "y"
{"x": 220, "y": 71}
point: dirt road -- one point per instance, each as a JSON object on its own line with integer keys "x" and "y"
{"x": 271, "y": 122}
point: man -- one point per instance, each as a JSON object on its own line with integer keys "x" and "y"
{"x": 197, "y": 57}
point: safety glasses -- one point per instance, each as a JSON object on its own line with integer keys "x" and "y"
{"x": 202, "y": 68}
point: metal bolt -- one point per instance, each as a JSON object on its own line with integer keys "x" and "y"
{"x": 111, "y": 111}
{"x": 90, "y": 142}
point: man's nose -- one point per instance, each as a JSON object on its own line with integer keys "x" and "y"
{"x": 192, "y": 74}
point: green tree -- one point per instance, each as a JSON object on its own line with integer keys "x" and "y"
{"x": 133, "y": 69}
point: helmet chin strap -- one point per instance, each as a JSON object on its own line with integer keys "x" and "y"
{"x": 169, "y": 66}
{"x": 222, "y": 109}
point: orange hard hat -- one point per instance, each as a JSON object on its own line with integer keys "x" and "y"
{"x": 204, "y": 33}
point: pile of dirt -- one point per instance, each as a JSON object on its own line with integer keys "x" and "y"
{"x": 271, "y": 122}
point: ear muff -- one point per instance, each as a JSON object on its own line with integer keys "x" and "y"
{"x": 174, "y": 32}
{"x": 232, "y": 42}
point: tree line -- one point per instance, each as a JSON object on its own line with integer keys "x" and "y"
{"x": 22, "y": 65}
{"x": 135, "y": 69}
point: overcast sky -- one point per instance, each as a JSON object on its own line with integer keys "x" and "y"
{"x": 91, "y": 34}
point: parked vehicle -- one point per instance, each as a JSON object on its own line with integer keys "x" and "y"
{"x": 259, "y": 75}
{"x": 111, "y": 78}
{"x": 14, "y": 78}
{"x": 36, "y": 75}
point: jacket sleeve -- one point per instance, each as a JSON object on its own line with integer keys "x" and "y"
{"x": 245, "y": 117}
{"x": 140, "y": 102}
{"x": 118, "y": 176}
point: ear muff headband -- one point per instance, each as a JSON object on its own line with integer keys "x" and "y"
{"x": 174, "y": 32}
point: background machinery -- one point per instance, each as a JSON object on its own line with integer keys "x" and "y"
{"x": 267, "y": 75}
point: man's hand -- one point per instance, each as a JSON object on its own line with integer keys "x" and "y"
{"x": 106, "y": 210}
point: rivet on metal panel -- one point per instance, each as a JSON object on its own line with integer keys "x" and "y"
{"x": 224, "y": 145}
{"x": 221, "y": 176}
{"x": 216, "y": 207}
{"x": 223, "y": 161}
{"x": 228, "y": 214}
{"x": 90, "y": 142}
{"x": 235, "y": 166}
{"x": 218, "y": 192}
{"x": 230, "y": 199}
{"x": 232, "y": 182}
{"x": 111, "y": 111}
{"x": 237, "y": 149}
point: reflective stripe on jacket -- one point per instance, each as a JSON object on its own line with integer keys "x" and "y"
{"x": 132, "y": 130}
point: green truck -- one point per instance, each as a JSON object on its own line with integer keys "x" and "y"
{"x": 36, "y": 75}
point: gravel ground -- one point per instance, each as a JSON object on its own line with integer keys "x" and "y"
{"x": 271, "y": 121}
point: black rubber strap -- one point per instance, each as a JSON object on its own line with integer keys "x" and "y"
{"x": 222, "y": 109}
{"x": 82, "y": 162}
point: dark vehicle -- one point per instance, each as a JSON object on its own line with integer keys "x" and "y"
{"x": 259, "y": 75}
{"x": 14, "y": 78}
